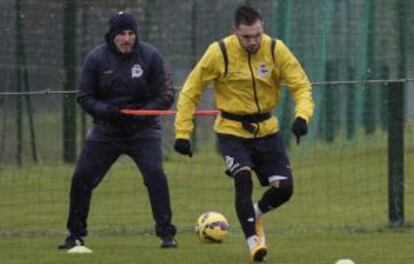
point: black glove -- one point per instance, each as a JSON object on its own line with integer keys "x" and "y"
{"x": 112, "y": 113}
{"x": 183, "y": 146}
{"x": 142, "y": 119}
{"x": 134, "y": 106}
{"x": 299, "y": 128}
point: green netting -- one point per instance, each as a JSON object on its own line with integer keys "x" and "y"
{"x": 341, "y": 169}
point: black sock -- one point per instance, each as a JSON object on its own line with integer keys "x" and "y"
{"x": 275, "y": 197}
{"x": 243, "y": 200}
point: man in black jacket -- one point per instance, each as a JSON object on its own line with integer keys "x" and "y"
{"x": 124, "y": 72}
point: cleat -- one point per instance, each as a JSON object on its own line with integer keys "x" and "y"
{"x": 71, "y": 242}
{"x": 168, "y": 242}
{"x": 260, "y": 231}
{"x": 258, "y": 253}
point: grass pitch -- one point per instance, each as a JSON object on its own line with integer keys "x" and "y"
{"x": 339, "y": 210}
{"x": 292, "y": 248}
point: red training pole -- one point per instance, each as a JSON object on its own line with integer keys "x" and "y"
{"x": 166, "y": 112}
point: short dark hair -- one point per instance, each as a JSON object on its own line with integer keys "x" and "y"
{"x": 246, "y": 15}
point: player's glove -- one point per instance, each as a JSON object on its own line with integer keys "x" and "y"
{"x": 142, "y": 119}
{"x": 183, "y": 146}
{"x": 299, "y": 128}
{"x": 112, "y": 113}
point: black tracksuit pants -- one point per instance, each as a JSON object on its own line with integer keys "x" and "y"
{"x": 95, "y": 160}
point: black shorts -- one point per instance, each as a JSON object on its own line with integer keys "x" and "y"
{"x": 266, "y": 156}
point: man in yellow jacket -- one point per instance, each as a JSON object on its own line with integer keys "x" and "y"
{"x": 247, "y": 69}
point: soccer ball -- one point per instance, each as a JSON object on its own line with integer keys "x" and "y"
{"x": 212, "y": 227}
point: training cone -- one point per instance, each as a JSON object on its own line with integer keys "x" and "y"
{"x": 79, "y": 250}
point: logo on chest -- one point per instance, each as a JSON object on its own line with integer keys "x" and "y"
{"x": 136, "y": 71}
{"x": 263, "y": 70}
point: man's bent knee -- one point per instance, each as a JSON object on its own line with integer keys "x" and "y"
{"x": 283, "y": 186}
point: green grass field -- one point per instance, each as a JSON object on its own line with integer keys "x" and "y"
{"x": 339, "y": 210}
{"x": 286, "y": 248}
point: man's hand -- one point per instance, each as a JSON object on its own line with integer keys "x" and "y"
{"x": 183, "y": 146}
{"x": 135, "y": 106}
{"x": 112, "y": 113}
{"x": 129, "y": 118}
{"x": 299, "y": 128}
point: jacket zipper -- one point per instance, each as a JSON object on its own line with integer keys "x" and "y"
{"x": 255, "y": 93}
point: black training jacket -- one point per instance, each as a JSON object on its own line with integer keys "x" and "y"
{"x": 112, "y": 81}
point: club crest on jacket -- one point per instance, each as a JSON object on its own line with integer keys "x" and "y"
{"x": 136, "y": 71}
{"x": 263, "y": 70}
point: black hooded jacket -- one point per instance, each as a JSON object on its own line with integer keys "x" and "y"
{"x": 111, "y": 81}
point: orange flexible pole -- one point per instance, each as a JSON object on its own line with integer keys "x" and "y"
{"x": 166, "y": 112}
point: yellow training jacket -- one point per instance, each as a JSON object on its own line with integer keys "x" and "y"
{"x": 252, "y": 85}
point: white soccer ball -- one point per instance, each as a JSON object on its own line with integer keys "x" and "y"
{"x": 212, "y": 227}
{"x": 344, "y": 261}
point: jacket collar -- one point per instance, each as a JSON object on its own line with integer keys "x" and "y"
{"x": 235, "y": 40}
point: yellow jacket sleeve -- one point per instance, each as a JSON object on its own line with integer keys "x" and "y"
{"x": 206, "y": 71}
{"x": 295, "y": 78}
